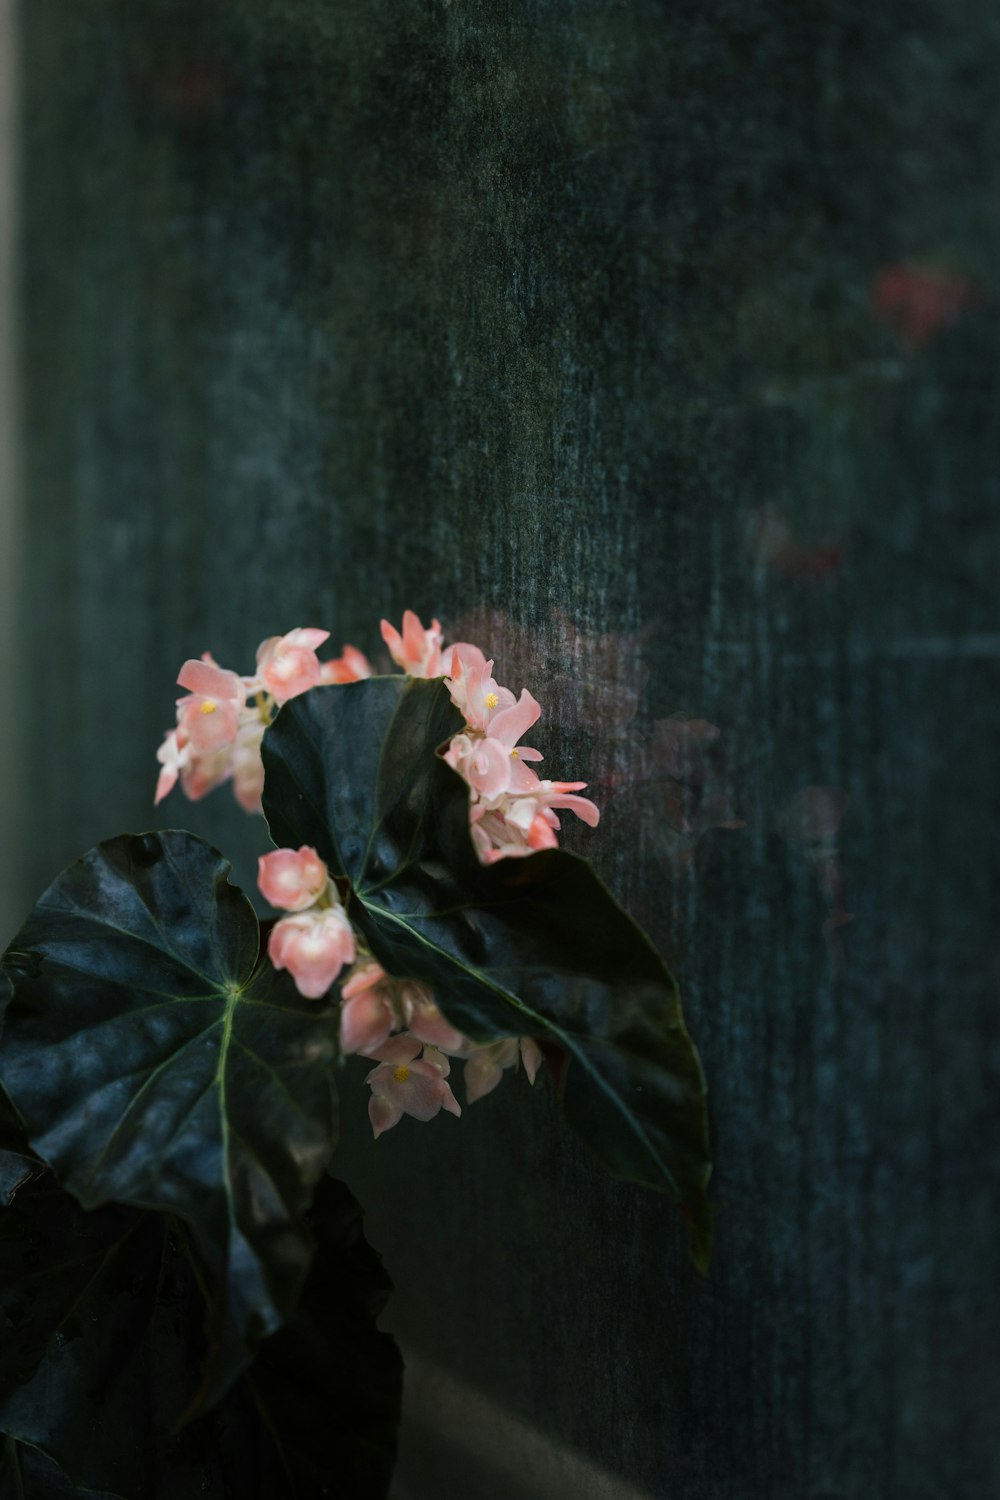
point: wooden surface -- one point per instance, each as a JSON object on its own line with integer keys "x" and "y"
{"x": 655, "y": 347}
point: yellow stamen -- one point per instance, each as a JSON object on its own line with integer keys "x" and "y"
{"x": 401, "y": 1074}
{"x": 492, "y": 700}
{"x": 515, "y": 754}
{"x": 209, "y": 706}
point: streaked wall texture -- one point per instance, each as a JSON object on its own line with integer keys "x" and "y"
{"x": 11, "y": 790}
{"x": 657, "y": 347}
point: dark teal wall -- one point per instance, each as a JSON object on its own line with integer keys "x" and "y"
{"x": 655, "y": 346}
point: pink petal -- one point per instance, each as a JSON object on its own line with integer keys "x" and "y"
{"x": 166, "y": 781}
{"x": 450, "y": 1103}
{"x": 398, "y": 1049}
{"x": 522, "y": 778}
{"x": 422, "y": 1093}
{"x": 362, "y": 979}
{"x": 487, "y": 767}
{"x": 509, "y": 725}
{"x": 291, "y": 670}
{"x": 365, "y": 1022}
{"x": 414, "y": 636}
{"x": 209, "y": 723}
{"x": 582, "y": 806}
{"x": 540, "y": 834}
{"x": 307, "y": 637}
{"x": 393, "y": 640}
{"x": 383, "y": 1113}
{"x": 425, "y": 1020}
{"x": 482, "y": 1074}
{"x": 210, "y": 681}
{"x": 531, "y": 1056}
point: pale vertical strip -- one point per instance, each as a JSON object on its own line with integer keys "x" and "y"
{"x": 12, "y": 898}
{"x": 457, "y": 1440}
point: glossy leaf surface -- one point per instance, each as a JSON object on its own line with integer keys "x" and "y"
{"x": 157, "y": 1063}
{"x": 102, "y": 1315}
{"x": 527, "y": 946}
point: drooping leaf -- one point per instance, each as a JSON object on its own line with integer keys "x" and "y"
{"x": 526, "y": 946}
{"x": 101, "y": 1314}
{"x": 157, "y": 1060}
{"x": 101, "y": 1335}
{"x": 317, "y": 1413}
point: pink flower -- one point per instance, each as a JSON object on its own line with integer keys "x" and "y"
{"x": 292, "y": 879}
{"x": 484, "y": 764}
{"x": 492, "y": 765}
{"x": 173, "y": 756}
{"x": 366, "y": 976}
{"x": 367, "y": 1013}
{"x": 473, "y": 689}
{"x": 313, "y": 946}
{"x": 209, "y": 717}
{"x": 248, "y": 768}
{"x": 404, "y": 1085}
{"x": 352, "y": 666}
{"x": 417, "y": 651}
{"x": 510, "y": 723}
{"x": 485, "y": 1067}
{"x": 425, "y": 1021}
{"x": 522, "y": 823}
{"x": 551, "y": 794}
{"x": 203, "y": 773}
{"x": 288, "y": 664}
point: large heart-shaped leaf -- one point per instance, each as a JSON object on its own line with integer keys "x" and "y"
{"x": 101, "y": 1315}
{"x": 156, "y": 1060}
{"x": 526, "y": 946}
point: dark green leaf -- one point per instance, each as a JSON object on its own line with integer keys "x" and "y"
{"x": 26, "y": 1474}
{"x": 102, "y": 1334}
{"x": 17, "y": 1160}
{"x": 102, "y": 1315}
{"x": 156, "y": 1062}
{"x": 527, "y": 946}
{"x": 315, "y": 1417}
{"x": 15, "y": 1170}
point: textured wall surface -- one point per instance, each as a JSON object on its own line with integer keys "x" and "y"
{"x": 654, "y": 346}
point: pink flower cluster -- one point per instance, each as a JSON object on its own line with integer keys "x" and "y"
{"x": 221, "y": 720}
{"x": 394, "y": 1021}
{"x": 513, "y": 811}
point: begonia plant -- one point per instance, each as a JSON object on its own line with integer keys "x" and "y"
{"x": 176, "y": 1261}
